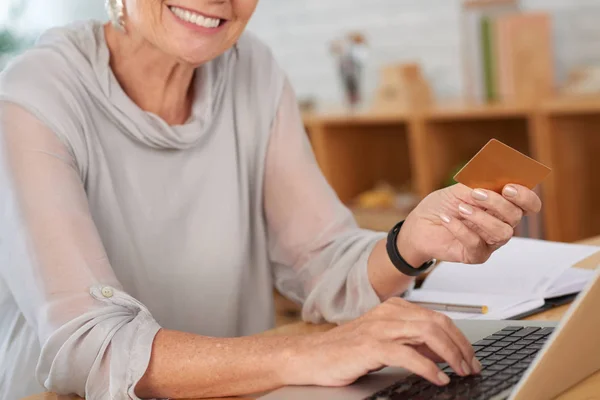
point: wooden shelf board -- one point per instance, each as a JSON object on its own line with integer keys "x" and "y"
{"x": 358, "y": 118}
{"x": 465, "y": 111}
{"x": 571, "y": 106}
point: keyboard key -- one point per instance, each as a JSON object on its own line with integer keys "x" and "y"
{"x": 486, "y": 373}
{"x": 535, "y": 346}
{"x": 494, "y": 337}
{"x": 496, "y": 367}
{"x": 516, "y": 356}
{"x": 477, "y": 348}
{"x": 511, "y": 339}
{"x": 512, "y": 328}
{"x": 485, "y": 342}
{"x": 495, "y": 358}
{"x": 507, "y": 362}
{"x": 503, "y": 376}
{"x": 443, "y": 396}
{"x": 535, "y": 336}
{"x": 504, "y": 352}
{"x": 486, "y": 362}
{"x": 525, "y": 331}
{"x": 493, "y": 349}
{"x": 503, "y": 343}
{"x": 546, "y": 331}
{"x": 525, "y": 342}
{"x": 515, "y": 347}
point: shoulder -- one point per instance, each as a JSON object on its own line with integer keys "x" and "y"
{"x": 46, "y": 79}
{"x": 258, "y": 68}
{"x": 37, "y": 80}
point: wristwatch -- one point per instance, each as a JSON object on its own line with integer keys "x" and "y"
{"x": 399, "y": 262}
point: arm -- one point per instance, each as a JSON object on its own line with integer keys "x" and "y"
{"x": 321, "y": 258}
{"x": 96, "y": 346}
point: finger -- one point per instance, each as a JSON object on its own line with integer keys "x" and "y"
{"x": 437, "y": 339}
{"x": 496, "y": 232}
{"x": 405, "y": 312}
{"x": 522, "y": 197}
{"x": 475, "y": 249}
{"x": 414, "y": 312}
{"x": 460, "y": 340}
{"x": 498, "y": 206}
{"x": 427, "y": 352}
{"x": 402, "y": 356}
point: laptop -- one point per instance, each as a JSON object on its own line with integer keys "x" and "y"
{"x": 522, "y": 360}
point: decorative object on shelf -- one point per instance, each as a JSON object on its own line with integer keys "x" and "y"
{"x": 583, "y": 80}
{"x": 402, "y": 87}
{"x": 351, "y": 55}
{"x": 382, "y": 207}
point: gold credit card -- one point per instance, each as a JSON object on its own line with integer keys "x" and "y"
{"x": 497, "y": 165}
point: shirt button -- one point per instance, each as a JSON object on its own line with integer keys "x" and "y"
{"x": 107, "y": 292}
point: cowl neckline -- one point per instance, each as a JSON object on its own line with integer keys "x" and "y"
{"x": 88, "y": 41}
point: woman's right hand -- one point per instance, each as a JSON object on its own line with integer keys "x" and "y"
{"x": 394, "y": 334}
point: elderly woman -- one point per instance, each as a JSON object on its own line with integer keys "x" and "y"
{"x": 157, "y": 183}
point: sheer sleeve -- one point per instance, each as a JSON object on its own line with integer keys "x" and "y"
{"x": 96, "y": 340}
{"x": 319, "y": 254}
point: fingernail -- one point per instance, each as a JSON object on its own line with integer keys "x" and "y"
{"x": 445, "y": 218}
{"x": 476, "y": 365}
{"x": 465, "y": 209}
{"x": 479, "y": 194}
{"x": 443, "y": 378}
{"x": 465, "y": 368}
{"x": 510, "y": 191}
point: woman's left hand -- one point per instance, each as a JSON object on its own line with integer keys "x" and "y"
{"x": 459, "y": 224}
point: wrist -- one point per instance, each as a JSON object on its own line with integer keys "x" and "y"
{"x": 408, "y": 250}
{"x": 299, "y": 362}
{"x": 290, "y": 361}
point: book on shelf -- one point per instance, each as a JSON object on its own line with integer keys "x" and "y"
{"x": 507, "y": 53}
{"x": 477, "y": 46}
{"x": 525, "y": 56}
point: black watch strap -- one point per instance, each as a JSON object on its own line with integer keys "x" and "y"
{"x": 399, "y": 262}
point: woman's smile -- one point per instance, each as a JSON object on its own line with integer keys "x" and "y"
{"x": 197, "y": 21}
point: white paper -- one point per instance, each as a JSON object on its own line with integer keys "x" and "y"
{"x": 499, "y": 306}
{"x": 572, "y": 281}
{"x": 523, "y": 268}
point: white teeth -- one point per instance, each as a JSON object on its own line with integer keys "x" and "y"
{"x": 195, "y": 18}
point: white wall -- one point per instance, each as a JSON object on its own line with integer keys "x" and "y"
{"x": 426, "y": 31}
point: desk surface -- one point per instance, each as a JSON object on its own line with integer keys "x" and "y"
{"x": 589, "y": 389}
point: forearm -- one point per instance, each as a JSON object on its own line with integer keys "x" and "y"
{"x": 184, "y": 365}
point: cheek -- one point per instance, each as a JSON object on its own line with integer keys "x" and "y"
{"x": 244, "y": 9}
{"x": 144, "y": 14}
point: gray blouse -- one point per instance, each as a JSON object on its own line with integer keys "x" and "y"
{"x": 115, "y": 224}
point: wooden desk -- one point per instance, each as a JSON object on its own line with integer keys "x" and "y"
{"x": 589, "y": 389}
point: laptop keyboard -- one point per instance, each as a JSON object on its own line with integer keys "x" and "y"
{"x": 504, "y": 356}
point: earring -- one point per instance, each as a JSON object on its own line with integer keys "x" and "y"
{"x": 116, "y": 12}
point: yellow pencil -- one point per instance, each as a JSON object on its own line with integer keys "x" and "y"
{"x": 472, "y": 309}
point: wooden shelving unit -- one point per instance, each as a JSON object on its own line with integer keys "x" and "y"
{"x": 356, "y": 151}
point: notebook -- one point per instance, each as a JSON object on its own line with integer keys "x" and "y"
{"x": 517, "y": 279}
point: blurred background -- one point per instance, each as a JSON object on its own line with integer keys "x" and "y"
{"x": 398, "y": 94}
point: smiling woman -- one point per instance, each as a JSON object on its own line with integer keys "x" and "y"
{"x": 159, "y": 183}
